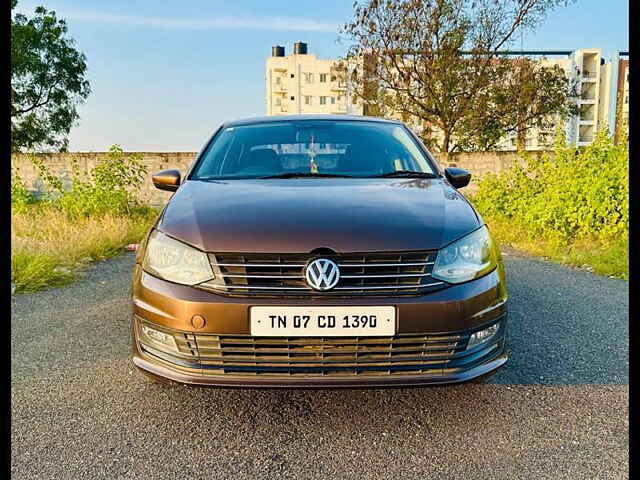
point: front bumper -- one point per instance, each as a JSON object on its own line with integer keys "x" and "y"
{"x": 454, "y": 312}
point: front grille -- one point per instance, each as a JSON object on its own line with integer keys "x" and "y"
{"x": 403, "y": 273}
{"x": 400, "y": 354}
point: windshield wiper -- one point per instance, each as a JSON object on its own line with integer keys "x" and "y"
{"x": 306, "y": 174}
{"x": 406, "y": 173}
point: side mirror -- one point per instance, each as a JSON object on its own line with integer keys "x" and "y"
{"x": 457, "y": 177}
{"x": 167, "y": 180}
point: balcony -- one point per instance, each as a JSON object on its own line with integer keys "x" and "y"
{"x": 585, "y": 134}
{"x": 588, "y": 92}
{"x": 588, "y": 113}
{"x": 590, "y": 65}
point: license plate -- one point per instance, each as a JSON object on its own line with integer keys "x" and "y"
{"x": 322, "y": 321}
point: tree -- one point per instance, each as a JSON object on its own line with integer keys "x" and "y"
{"x": 442, "y": 64}
{"x": 47, "y": 81}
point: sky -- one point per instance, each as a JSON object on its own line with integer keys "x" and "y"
{"x": 164, "y": 75}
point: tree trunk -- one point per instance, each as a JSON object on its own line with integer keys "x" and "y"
{"x": 521, "y": 139}
{"x": 446, "y": 141}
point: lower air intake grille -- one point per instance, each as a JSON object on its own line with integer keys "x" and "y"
{"x": 400, "y": 354}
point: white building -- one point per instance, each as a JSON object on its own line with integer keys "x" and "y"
{"x": 619, "y": 112}
{"x": 587, "y": 69}
{"x": 302, "y": 83}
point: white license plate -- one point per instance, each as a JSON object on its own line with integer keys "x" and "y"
{"x": 322, "y": 321}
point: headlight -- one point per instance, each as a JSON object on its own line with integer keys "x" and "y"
{"x": 470, "y": 257}
{"x": 175, "y": 261}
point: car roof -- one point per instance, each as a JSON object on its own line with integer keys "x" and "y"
{"x": 295, "y": 118}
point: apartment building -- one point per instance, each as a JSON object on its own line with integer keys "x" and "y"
{"x": 302, "y": 83}
{"x": 621, "y": 95}
{"x": 591, "y": 74}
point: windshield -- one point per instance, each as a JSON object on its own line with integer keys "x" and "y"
{"x": 324, "y": 147}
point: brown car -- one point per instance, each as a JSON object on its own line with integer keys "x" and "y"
{"x": 318, "y": 251}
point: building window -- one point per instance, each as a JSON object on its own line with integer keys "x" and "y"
{"x": 333, "y": 100}
{"x": 292, "y": 75}
{"x": 323, "y": 100}
{"x": 307, "y": 100}
{"x": 293, "y": 98}
{"x": 278, "y": 80}
{"x": 323, "y": 78}
{"x": 308, "y": 77}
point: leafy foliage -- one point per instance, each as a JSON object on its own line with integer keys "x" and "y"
{"x": 439, "y": 63}
{"x": 47, "y": 81}
{"x": 575, "y": 193}
{"x": 110, "y": 187}
{"x": 92, "y": 219}
{"x": 20, "y": 196}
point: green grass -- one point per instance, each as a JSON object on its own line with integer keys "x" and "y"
{"x": 610, "y": 258}
{"x": 49, "y": 249}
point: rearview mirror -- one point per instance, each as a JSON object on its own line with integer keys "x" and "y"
{"x": 457, "y": 176}
{"x": 167, "y": 180}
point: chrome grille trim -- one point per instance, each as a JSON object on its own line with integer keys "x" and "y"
{"x": 390, "y": 287}
{"x": 246, "y": 287}
{"x": 260, "y": 276}
{"x": 283, "y": 275}
{"x": 415, "y": 264}
{"x": 277, "y": 265}
{"x": 388, "y": 276}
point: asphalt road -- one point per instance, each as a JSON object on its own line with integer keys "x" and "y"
{"x": 559, "y": 409}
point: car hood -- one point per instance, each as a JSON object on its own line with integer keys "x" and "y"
{"x": 302, "y": 215}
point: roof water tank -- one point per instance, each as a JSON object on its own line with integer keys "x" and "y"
{"x": 300, "y": 48}
{"x": 277, "y": 51}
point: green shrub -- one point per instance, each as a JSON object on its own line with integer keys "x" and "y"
{"x": 110, "y": 187}
{"x": 574, "y": 193}
{"x": 92, "y": 219}
{"x": 20, "y": 196}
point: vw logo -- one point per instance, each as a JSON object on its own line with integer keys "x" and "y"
{"x": 322, "y": 274}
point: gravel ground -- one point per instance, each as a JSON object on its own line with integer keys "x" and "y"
{"x": 559, "y": 409}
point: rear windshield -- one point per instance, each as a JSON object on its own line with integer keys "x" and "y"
{"x": 358, "y": 149}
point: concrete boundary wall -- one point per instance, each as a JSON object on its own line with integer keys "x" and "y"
{"x": 478, "y": 163}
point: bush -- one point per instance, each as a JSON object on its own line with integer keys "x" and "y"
{"x": 110, "y": 187}
{"x": 20, "y": 196}
{"x": 92, "y": 219}
{"x": 576, "y": 193}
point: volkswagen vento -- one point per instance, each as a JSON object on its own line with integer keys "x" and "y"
{"x": 317, "y": 251}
